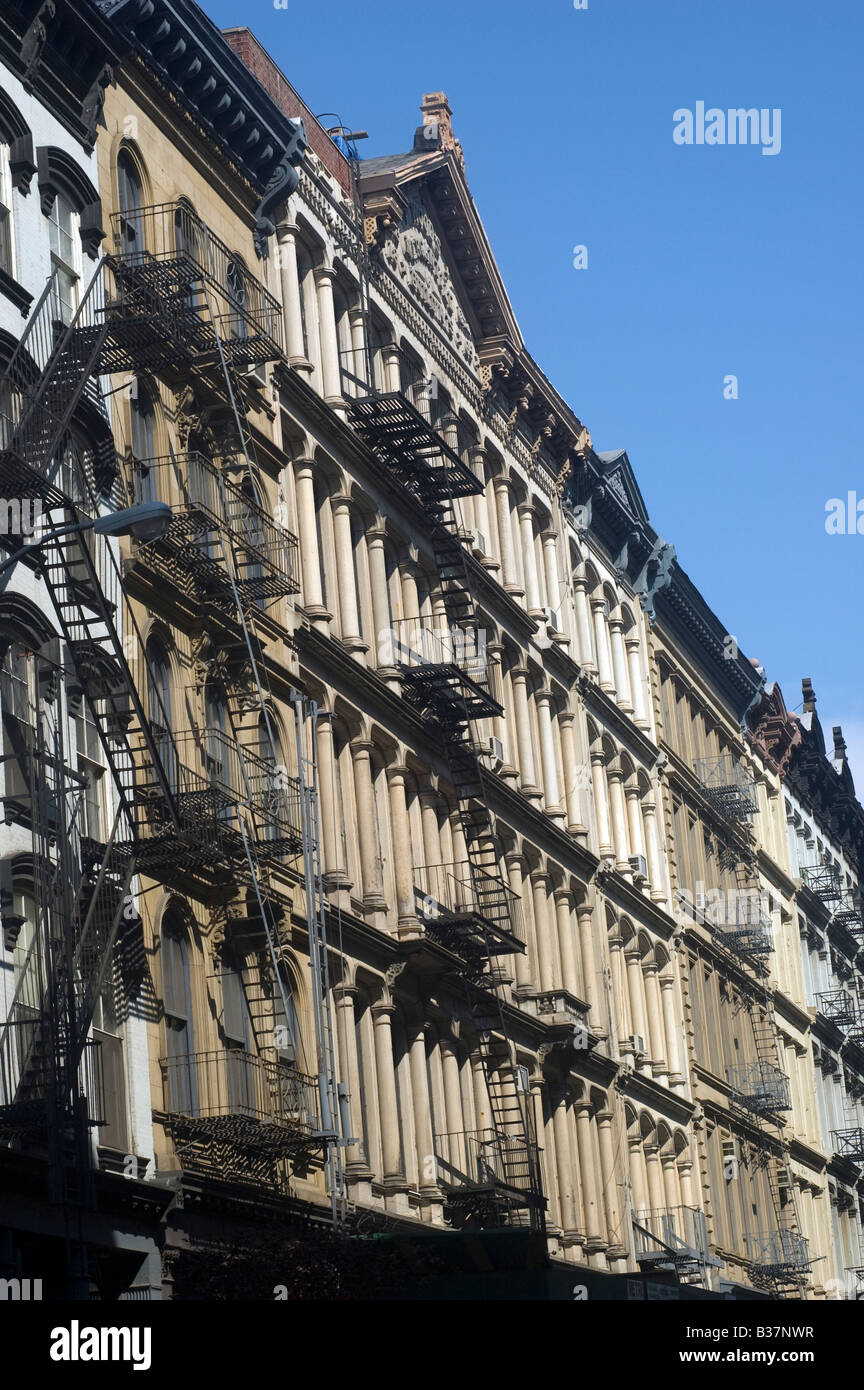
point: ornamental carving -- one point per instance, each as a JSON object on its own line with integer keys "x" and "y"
{"x": 414, "y": 255}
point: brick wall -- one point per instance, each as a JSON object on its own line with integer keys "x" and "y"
{"x": 259, "y": 62}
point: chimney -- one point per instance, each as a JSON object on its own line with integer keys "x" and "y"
{"x": 436, "y": 132}
{"x": 809, "y": 695}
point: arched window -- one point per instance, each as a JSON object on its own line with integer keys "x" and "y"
{"x": 159, "y": 705}
{"x": 218, "y": 760}
{"x": 62, "y": 220}
{"x": 179, "y": 1024}
{"x": 289, "y": 1039}
{"x": 129, "y": 191}
{"x": 143, "y": 441}
{"x": 235, "y": 289}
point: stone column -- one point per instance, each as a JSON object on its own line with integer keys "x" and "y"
{"x": 505, "y": 537}
{"x": 672, "y": 1026}
{"x": 670, "y": 1183}
{"x": 334, "y": 869}
{"x": 583, "y": 623}
{"x": 572, "y": 779}
{"x": 367, "y": 820}
{"x": 529, "y": 559}
{"x": 310, "y": 563}
{"x": 527, "y": 774}
{"x": 567, "y": 940}
{"x": 585, "y": 918}
{"x": 652, "y": 847}
{"x": 292, "y": 314}
{"x": 636, "y": 992}
{"x": 601, "y": 802}
{"x": 423, "y": 1137}
{"x": 477, "y": 461}
{"x": 619, "y": 664}
{"x": 545, "y": 954}
{"x": 567, "y": 1192}
{"x": 638, "y": 1175}
{"x": 601, "y": 643}
{"x": 388, "y": 1110}
{"x": 324, "y": 277}
{"x": 634, "y": 820}
{"x": 552, "y": 798}
{"x": 609, "y": 1173}
{"x": 403, "y": 860}
{"x": 390, "y": 360}
{"x": 344, "y": 543}
{"x": 619, "y": 821}
{"x": 685, "y": 1177}
{"x": 381, "y": 643}
{"x": 550, "y": 569}
{"x": 410, "y": 598}
{"x": 593, "y": 1228}
{"x": 482, "y": 1103}
{"x": 655, "y": 1177}
{"x": 637, "y": 682}
{"x": 358, "y": 365}
{"x": 522, "y": 962}
{"x": 355, "y": 1157}
{"x": 655, "y": 1022}
{"x": 458, "y": 1154}
{"x": 622, "y": 1025}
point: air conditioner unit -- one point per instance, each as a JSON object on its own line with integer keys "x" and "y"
{"x": 637, "y": 1044}
{"x": 256, "y": 372}
{"x": 522, "y": 1080}
{"x": 553, "y": 622}
{"x": 639, "y": 865}
{"x": 478, "y": 545}
{"x": 494, "y": 751}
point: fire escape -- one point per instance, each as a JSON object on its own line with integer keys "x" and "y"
{"x": 759, "y": 1090}
{"x": 491, "y": 1178}
{"x": 169, "y": 301}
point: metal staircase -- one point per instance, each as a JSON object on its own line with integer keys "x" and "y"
{"x": 444, "y": 678}
{"x": 759, "y": 1089}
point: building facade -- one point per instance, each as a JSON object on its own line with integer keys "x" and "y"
{"x": 450, "y": 886}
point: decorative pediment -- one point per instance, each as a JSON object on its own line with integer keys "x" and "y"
{"x": 413, "y": 251}
{"x": 618, "y": 476}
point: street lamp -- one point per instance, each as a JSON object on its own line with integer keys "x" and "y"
{"x": 146, "y": 520}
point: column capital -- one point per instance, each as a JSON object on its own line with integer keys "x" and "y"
{"x": 396, "y": 771}
{"x": 383, "y": 1009}
{"x": 324, "y": 274}
{"x": 525, "y": 511}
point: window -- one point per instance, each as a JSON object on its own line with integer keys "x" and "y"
{"x": 159, "y": 705}
{"x": 61, "y": 235}
{"x": 92, "y": 768}
{"x": 143, "y": 441}
{"x": 129, "y": 204}
{"x": 7, "y": 257}
{"x": 235, "y": 1025}
{"x": 177, "y": 996}
{"x": 289, "y": 1047}
{"x": 235, "y": 286}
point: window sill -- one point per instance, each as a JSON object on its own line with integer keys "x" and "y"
{"x": 21, "y": 298}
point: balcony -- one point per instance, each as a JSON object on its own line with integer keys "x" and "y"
{"x": 760, "y": 1087}
{"x": 401, "y": 428}
{"x": 210, "y": 516}
{"x": 825, "y": 880}
{"x": 838, "y": 1007}
{"x": 474, "y": 914}
{"x": 674, "y": 1238}
{"x": 237, "y": 780}
{"x": 849, "y": 1143}
{"x": 237, "y": 1098}
{"x": 489, "y": 1179}
{"x": 179, "y": 293}
{"x": 847, "y": 914}
{"x": 778, "y": 1257}
{"x": 741, "y": 923}
{"x": 444, "y": 670}
{"x": 206, "y": 839}
{"x": 727, "y": 787}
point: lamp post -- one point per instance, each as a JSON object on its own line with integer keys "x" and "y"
{"x": 146, "y": 520}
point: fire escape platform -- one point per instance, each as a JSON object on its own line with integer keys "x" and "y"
{"x": 412, "y": 448}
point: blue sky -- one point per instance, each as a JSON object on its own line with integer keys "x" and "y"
{"x": 703, "y": 262}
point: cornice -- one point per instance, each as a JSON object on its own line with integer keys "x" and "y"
{"x": 643, "y": 1089}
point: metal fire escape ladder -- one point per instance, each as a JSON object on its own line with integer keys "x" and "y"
{"x": 779, "y": 1262}
{"x": 452, "y": 695}
{"x": 327, "y": 1081}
